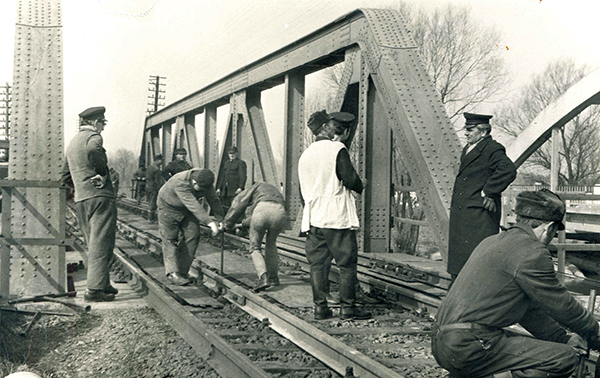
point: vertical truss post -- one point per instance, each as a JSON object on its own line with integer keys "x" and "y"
{"x": 37, "y": 149}
{"x": 294, "y": 141}
{"x": 211, "y": 147}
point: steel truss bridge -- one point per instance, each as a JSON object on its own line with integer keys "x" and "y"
{"x": 384, "y": 83}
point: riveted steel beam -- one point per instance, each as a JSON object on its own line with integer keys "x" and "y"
{"x": 37, "y": 145}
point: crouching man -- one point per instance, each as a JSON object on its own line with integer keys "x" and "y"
{"x": 510, "y": 279}
{"x": 179, "y": 210}
{"x": 266, "y": 205}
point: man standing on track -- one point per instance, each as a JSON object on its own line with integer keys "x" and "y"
{"x": 485, "y": 172}
{"x": 86, "y": 168}
{"x": 510, "y": 279}
{"x": 328, "y": 182}
{"x": 154, "y": 182}
{"x": 233, "y": 177}
{"x": 179, "y": 210}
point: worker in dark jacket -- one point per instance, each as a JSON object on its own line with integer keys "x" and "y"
{"x": 485, "y": 172}
{"x": 154, "y": 181}
{"x": 86, "y": 168}
{"x": 510, "y": 279}
{"x": 140, "y": 182}
{"x": 232, "y": 179}
{"x": 327, "y": 182}
{"x": 177, "y": 165}
{"x": 265, "y": 204}
{"x": 179, "y": 210}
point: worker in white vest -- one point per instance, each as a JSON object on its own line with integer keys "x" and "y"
{"x": 328, "y": 185}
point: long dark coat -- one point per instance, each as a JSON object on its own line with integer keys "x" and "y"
{"x": 232, "y": 177}
{"x": 485, "y": 168}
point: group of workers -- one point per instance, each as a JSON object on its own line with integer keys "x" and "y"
{"x": 498, "y": 278}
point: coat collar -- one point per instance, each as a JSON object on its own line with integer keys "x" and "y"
{"x": 524, "y": 227}
{"x": 468, "y": 158}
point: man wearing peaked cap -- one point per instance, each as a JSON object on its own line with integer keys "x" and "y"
{"x": 233, "y": 176}
{"x": 86, "y": 168}
{"x": 510, "y": 279}
{"x": 179, "y": 164}
{"x": 327, "y": 180}
{"x": 484, "y": 173}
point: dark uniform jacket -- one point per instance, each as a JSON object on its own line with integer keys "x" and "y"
{"x": 175, "y": 167}
{"x": 247, "y": 200}
{"x": 85, "y": 158}
{"x": 178, "y": 197}
{"x": 510, "y": 279}
{"x": 485, "y": 168}
{"x": 154, "y": 179}
{"x": 232, "y": 177}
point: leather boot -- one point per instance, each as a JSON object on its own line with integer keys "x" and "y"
{"x": 177, "y": 279}
{"x": 353, "y": 313}
{"x": 319, "y": 283}
{"x": 273, "y": 281}
{"x": 322, "y": 313}
{"x": 262, "y": 283}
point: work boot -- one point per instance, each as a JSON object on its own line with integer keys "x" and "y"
{"x": 333, "y": 299}
{"x": 353, "y": 313}
{"x": 97, "y": 296}
{"x": 322, "y": 313}
{"x": 195, "y": 273}
{"x": 111, "y": 290}
{"x": 177, "y": 279}
{"x": 273, "y": 281}
{"x": 263, "y": 283}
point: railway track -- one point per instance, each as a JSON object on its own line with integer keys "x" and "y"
{"x": 395, "y": 343}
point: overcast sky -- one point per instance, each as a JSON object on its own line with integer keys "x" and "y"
{"x": 111, "y": 47}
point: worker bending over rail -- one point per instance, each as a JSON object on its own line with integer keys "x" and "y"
{"x": 179, "y": 210}
{"x": 265, "y": 204}
{"x": 510, "y": 279}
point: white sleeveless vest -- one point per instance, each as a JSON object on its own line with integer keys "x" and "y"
{"x": 327, "y": 202}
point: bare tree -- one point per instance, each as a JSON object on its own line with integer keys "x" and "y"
{"x": 125, "y": 163}
{"x": 462, "y": 56}
{"x": 579, "y": 162}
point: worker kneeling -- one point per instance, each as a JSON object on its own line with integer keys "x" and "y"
{"x": 510, "y": 279}
{"x": 179, "y": 211}
{"x": 265, "y": 206}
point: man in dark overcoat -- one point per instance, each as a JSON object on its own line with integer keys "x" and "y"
{"x": 179, "y": 164}
{"x": 154, "y": 181}
{"x": 232, "y": 179}
{"x": 485, "y": 172}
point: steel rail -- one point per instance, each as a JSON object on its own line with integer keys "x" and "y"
{"x": 222, "y": 357}
{"x": 333, "y": 353}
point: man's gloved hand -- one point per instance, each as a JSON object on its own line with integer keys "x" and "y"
{"x": 238, "y": 191}
{"x": 214, "y": 228}
{"x": 489, "y": 204}
{"x": 578, "y": 343}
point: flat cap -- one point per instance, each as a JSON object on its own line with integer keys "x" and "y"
{"x": 232, "y": 150}
{"x": 542, "y": 204}
{"x": 180, "y": 151}
{"x": 93, "y": 113}
{"x": 204, "y": 177}
{"x": 316, "y": 120}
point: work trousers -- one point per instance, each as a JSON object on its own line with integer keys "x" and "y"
{"x": 152, "y": 196}
{"x": 271, "y": 219}
{"x": 322, "y": 244}
{"x": 480, "y": 352}
{"x": 98, "y": 222}
{"x": 178, "y": 253}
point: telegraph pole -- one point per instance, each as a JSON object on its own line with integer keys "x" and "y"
{"x": 155, "y": 93}
{"x": 5, "y": 106}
